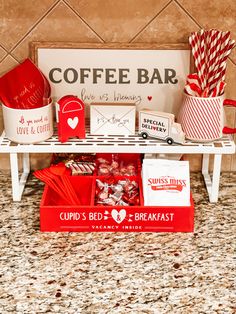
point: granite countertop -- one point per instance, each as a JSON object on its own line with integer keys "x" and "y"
{"x": 118, "y": 272}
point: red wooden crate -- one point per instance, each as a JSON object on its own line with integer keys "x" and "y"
{"x": 55, "y": 216}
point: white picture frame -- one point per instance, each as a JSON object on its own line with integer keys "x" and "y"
{"x": 151, "y": 76}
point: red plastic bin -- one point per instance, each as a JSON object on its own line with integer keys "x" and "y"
{"x": 55, "y": 216}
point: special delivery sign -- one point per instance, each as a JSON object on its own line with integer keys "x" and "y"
{"x": 149, "y": 77}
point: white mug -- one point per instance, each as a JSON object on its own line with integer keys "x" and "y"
{"x": 28, "y": 126}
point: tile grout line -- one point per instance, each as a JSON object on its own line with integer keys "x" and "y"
{"x": 83, "y": 20}
{"x": 9, "y": 54}
{"x": 234, "y": 62}
{"x": 6, "y": 53}
{"x": 1, "y": 46}
{"x": 186, "y": 12}
{"x": 146, "y": 25}
{"x": 34, "y": 26}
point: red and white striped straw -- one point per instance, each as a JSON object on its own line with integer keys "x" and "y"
{"x": 218, "y": 90}
{"x": 203, "y": 57}
{"x": 231, "y": 45}
{"x": 210, "y": 50}
{"x": 194, "y": 41}
{"x": 214, "y": 48}
{"x": 219, "y": 73}
{"x": 216, "y": 65}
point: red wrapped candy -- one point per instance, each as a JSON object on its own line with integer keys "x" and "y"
{"x": 112, "y": 192}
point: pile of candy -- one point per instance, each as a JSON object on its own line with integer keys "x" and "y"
{"x": 115, "y": 168}
{"x": 88, "y": 164}
{"x": 81, "y": 167}
{"x": 79, "y": 164}
{"x": 115, "y": 192}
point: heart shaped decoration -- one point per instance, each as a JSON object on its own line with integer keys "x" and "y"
{"x": 149, "y": 98}
{"x": 118, "y": 216}
{"x": 73, "y": 122}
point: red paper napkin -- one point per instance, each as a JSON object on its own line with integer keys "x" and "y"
{"x": 24, "y": 87}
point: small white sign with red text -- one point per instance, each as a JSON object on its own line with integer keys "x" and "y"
{"x": 112, "y": 118}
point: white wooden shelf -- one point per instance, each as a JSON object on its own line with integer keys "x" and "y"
{"x": 118, "y": 144}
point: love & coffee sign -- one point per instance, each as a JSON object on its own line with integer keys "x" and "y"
{"x": 151, "y": 76}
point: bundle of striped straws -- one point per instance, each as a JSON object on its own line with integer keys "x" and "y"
{"x": 210, "y": 50}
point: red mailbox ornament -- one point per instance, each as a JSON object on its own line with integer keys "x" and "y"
{"x": 70, "y": 118}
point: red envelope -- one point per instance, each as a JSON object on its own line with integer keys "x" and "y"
{"x": 24, "y": 87}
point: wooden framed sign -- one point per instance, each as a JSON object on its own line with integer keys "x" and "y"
{"x": 149, "y": 75}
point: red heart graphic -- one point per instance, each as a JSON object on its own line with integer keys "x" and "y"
{"x": 149, "y": 98}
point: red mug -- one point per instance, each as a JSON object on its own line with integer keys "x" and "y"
{"x": 202, "y": 119}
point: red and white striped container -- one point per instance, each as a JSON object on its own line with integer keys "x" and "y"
{"x": 202, "y": 119}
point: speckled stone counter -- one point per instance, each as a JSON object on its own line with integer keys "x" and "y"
{"x": 118, "y": 272}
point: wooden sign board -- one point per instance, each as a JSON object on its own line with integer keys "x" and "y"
{"x": 151, "y": 76}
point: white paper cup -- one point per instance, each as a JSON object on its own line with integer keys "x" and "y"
{"x": 28, "y": 126}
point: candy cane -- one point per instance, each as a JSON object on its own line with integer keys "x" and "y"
{"x": 194, "y": 78}
{"x": 193, "y": 90}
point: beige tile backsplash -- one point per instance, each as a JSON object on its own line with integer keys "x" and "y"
{"x": 2, "y": 53}
{"x": 152, "y": 21}
{"x": 172, "y": 25}
{"x": 64, "y": 25}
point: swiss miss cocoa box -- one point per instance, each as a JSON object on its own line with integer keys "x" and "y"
{"x": 166, "y": 182}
